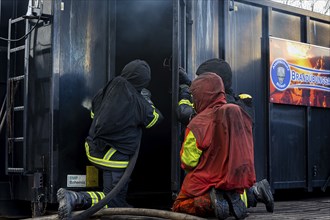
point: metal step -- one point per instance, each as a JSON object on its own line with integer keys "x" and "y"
{"x": 15, "y": 49}
{"x": 16, "y": 139}
{"x": 17, "y": 20}
{"x": 17, "y": 78}
{"x": 15, "y": 170}
{"x": 19, "y": 108}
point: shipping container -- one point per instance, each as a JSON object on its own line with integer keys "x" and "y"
{"x": 75, "y": 47}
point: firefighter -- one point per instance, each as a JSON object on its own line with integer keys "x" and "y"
{"x": 120, "y": 110}
{"x": 217, "y": 154}
{"x": 260, "y": 191}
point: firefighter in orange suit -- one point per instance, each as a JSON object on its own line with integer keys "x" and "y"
{"x": 217, "y": 153}
{"x": 260, "y": 191}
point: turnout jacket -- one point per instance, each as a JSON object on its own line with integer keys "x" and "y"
{"x": 218, "y": 147}
{"x": 119, "y": 113}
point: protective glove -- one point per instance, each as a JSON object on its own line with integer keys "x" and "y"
{"x": 184, "y": 92}
{"x": 146, "y": 95}
{"x": 183, "y": 77}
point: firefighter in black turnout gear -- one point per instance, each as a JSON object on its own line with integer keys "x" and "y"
{"x": 120, "y": 110}
{"x": 260, "y": 191}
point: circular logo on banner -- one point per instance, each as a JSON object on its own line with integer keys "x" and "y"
{"x": 280, "y": 74}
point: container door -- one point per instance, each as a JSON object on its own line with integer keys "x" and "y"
{"x": 178, "y": 59}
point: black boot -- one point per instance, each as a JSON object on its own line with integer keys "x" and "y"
{"x": 219, "y": 204}
{"x": 236, "y": 205}
{"x": 69, "y": 201}
{"x": 251, "y": 198}
{"x": 262, "y": 192}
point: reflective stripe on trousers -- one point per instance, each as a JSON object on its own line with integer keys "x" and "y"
{"x": 95, "y": 197}
{"x": 105, "y": 161}
{"x": 244, "y": 198}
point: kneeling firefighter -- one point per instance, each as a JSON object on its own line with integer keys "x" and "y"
{"x": 260, "y": 191}
{"x": 120, "y": 110}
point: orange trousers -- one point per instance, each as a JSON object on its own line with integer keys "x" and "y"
{"x": 198, "y": 206}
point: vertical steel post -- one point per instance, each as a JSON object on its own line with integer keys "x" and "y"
{"x": 175, "y": 128}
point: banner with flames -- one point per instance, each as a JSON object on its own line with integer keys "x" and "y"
{"x": 299, "y": 73}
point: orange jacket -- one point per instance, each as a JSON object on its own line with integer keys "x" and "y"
{"x": 218, "y": 146}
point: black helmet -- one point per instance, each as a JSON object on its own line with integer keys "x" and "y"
{"x": 219, "y": 67}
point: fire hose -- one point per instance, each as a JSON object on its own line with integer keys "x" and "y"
{"x": 129, "y": 211}
{"x": 91, "y": 210}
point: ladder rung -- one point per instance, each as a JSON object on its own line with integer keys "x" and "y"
{"x": 15, "y": 169}
{"x": 17, "y": 139}
{"x": 19, "y": 108}
{"x": 17, "y": 20}
{"x": 15, "y": 49}
{"x": 17, "y": 78}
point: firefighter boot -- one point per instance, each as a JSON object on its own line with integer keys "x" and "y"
{"x": 261, "y": 191}
{"x": 69, "y": 201}
{"x": 236, "y": 205}
{"x": 219, "y": 204}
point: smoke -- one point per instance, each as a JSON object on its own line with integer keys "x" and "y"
{"x": 143, "y": 17}
{"x": 87, "y": 103}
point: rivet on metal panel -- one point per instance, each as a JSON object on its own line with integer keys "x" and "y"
{"x": 232, "y": 6}
{"x": 314, "y": 170}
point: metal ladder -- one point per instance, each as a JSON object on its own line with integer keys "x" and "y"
{"x": 17, "y": 102}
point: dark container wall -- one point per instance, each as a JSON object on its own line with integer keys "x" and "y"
{"x": 319, "y": 121}
{"x": 299, "y": 148}
{"x": 319, "y": 149}
{"x": 319, "y": 143}
{"x": 288, "y": 149}
{"x": 80, "y": 62}
{"x": 288, "y": 138}
{"x": 285, "y": 26}
{"x": 195, "y": 40}
{"x": 245, "y": 45}
{"x": 204, "y": 36}
{"x": 319, "y": 33}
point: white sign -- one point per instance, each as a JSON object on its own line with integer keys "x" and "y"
{"x": 76, "y": 181}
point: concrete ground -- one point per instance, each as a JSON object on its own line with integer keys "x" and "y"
{"x": 304, "y": 209}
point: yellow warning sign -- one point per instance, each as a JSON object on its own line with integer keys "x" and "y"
{"x": 92, "y": 176}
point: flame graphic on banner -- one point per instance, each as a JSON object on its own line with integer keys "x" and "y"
{"x": 308, "y": 70}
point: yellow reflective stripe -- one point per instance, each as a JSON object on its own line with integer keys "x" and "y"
{"x": 101, "y": 194}
{"x": 244, "y": 198}
{"x": 191, "y": 154}
{"x": 94, "y": 197}
{"x": 112, "y": 164}
{"x": 92, "y": 114}
{"x": 109, "y": 154}
{"x": 185, "y": 102}
{"x": 156, "y": 116}
{"x": 245, "y": 96}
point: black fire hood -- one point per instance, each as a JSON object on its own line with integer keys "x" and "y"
{"x": 137, "y": 72}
